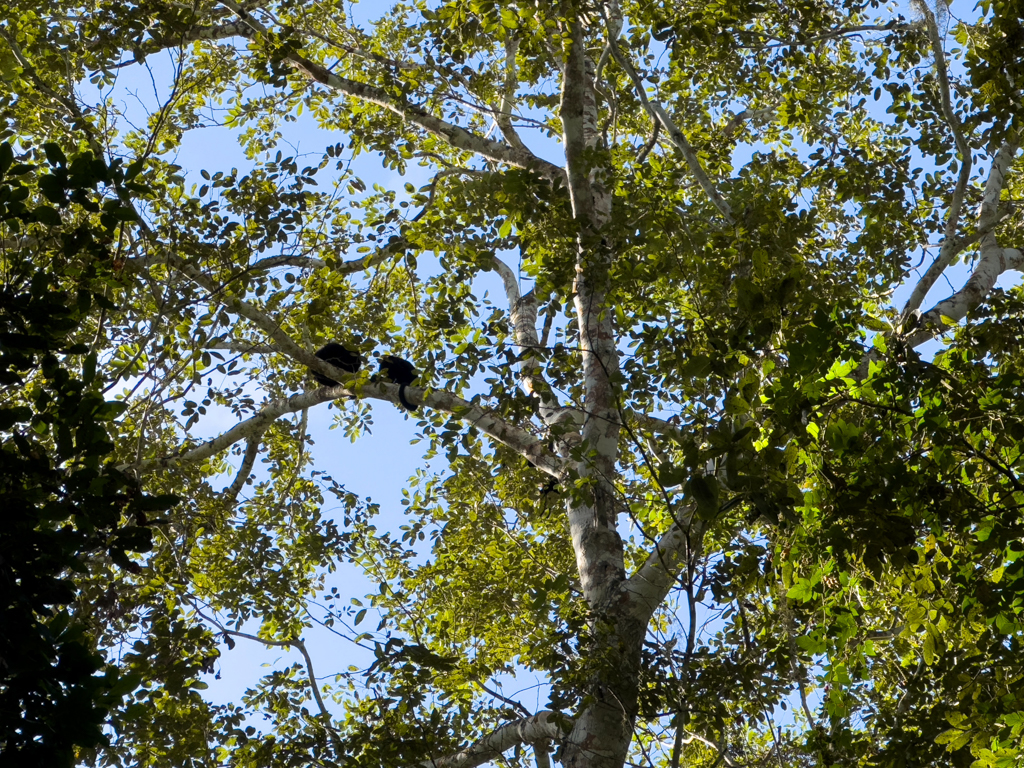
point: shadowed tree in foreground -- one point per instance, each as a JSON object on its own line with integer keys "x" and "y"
{"x": 67, "y": 511}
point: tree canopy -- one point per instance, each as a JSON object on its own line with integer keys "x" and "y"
{"x": 697, "y": 476}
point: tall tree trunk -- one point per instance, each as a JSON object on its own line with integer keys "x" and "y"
{"x": 603, "y": 730}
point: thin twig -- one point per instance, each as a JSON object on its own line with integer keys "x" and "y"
{"x": 948, "y": 250}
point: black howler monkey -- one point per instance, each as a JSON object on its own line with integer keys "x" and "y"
{"x": 402, "y": 373}
{"x": 340, "y": 357}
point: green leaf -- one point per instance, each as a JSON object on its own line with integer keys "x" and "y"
{"x": 802, "y": 590}
{"x": 6, "y": 157}
{"x": 54, "y": 154}
{"x": 704, "y": 491}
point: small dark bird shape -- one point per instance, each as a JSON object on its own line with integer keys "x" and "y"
{"x": 401, "y": 372}
{"x": 340, "y": 357}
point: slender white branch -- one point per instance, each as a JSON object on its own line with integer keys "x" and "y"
{"x": 303, "y": 262}
{"x": 993, "y": 262}
{"x": 252, "y": 447}
{"x": 690, "y": 737}
{"x": 748, "y": 116}
{"x": 988, "y": 213}
{"x": 890, "y": 26}
{"x": 519, "y": 440}
{"x": 675, "y": 134}
{"x": 947, "y": 252}
{"x": 242, "y": 347}
{"x": 284, "y": 343}
{"x": 523, "y": 313}
{"x": 654, "y": 424}
{"x": 250, "y": 312}
{"x": 578, "y": 112}
{"x": 508, "y": 94}
{"x": 963, "y": 149}
{"x": 298, "y": 644}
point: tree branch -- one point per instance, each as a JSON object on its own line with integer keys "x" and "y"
{"x": 993, "y": 262}
{"x": 747, "y": 115}
{"x": 579, "y": 123}
{"x": 950, "y": 311}
{"x": 68, "y": 103}
{"x": 544, "y": 726}
{"x": 523, "y": 313}
{"x": 241, "y": 347}
{"x": 541, "y": 757}
{"x": 303, "y": 262}
{"x": 456, "y": 136}
{"x": 301, "y": 646}
{"x": 654, "y": 424}
{"x": 947, "y": 252}
{"x": 252, "y": 447}
{"x": 517, "y": 439}
{"x": 649, "y": 585}
{"x": 508, "y": 92}
{"x": 890, "y": 26}
{"x": 659, "y": 115}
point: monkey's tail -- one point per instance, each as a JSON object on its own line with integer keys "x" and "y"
{"x": 402, "y": 399}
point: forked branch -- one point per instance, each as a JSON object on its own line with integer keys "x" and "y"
{"x": 994, "y": 260}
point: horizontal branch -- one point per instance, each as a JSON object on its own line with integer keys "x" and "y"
{"x": 544, "y": 726}
{"x": 891, "y": 26}
{"x": 241, "y": 347}
{"x": 517, "y": 439}
{"x": 656, "y": 425}
{"x": 244, "y": 430}
{"x": 302, "y": 262}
